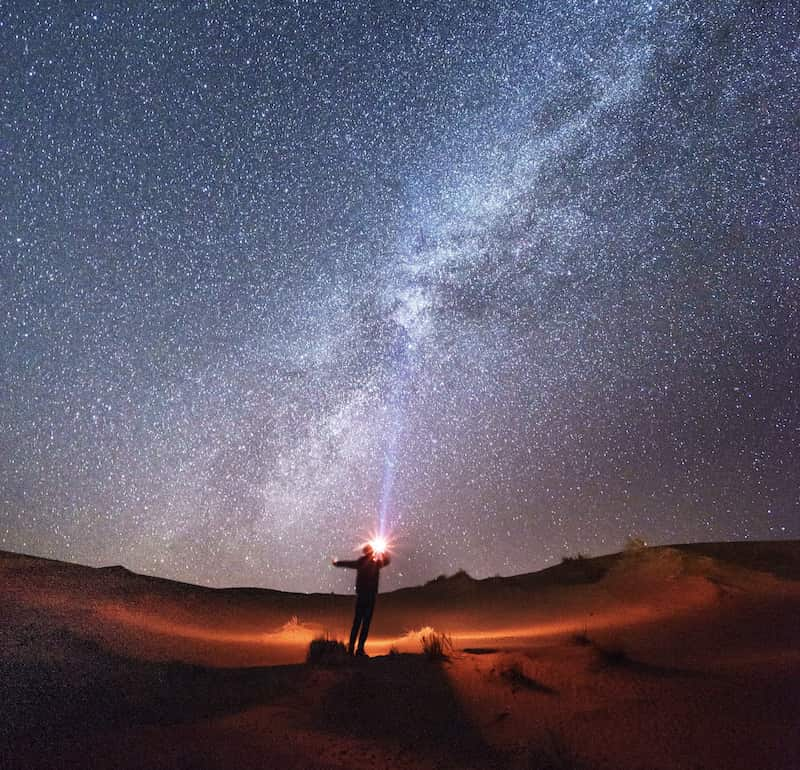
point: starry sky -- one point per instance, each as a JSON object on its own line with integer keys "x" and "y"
{"x": 511, "y": 280}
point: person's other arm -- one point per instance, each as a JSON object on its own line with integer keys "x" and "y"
{"x": 385, "y": 560}
{"x": 350, "y": 564}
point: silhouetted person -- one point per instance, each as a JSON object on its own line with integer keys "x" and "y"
{"x": 369, "y": 567}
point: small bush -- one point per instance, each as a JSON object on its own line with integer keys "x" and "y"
{"x": 614, "y": 656}
{"x": 393, "y": 652}
{"x": 635, "y": 544}
{"x": 436, "y": 645}
{"x": 582, "y": 638}
{"x": 459, "y": 574}
{"x": 437, "y": 579}
{"x": 326, "y": 651}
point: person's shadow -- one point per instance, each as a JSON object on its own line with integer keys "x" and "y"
{"x": 405, "y": 702}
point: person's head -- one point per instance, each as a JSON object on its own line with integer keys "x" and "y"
{"x": 367, "y": 549}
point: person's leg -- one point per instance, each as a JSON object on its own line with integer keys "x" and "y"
{"x": 357, "y": 618}
{"x": 366, "y": 619}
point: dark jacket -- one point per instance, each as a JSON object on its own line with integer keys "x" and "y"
{"x": 369, "y": 569}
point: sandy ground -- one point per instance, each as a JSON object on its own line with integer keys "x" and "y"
{"x": 682, "y": 657}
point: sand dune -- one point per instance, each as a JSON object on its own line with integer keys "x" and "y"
{"x": 672, "y": 657}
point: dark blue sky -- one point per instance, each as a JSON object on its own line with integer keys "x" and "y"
{"x": 524, "y": 275}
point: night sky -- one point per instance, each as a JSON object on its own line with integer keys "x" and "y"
{"x": 514, "y": 280}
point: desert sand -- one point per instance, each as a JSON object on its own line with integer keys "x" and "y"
{"x": 667, "y": 657}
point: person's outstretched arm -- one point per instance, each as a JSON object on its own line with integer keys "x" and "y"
{"x": 351, "y": 564}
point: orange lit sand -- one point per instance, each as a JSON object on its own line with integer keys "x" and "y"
{"x": 666, "y": 658}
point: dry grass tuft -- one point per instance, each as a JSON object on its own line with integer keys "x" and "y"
{"x": 326, "y": 651}
{"x": 436, "y": 645}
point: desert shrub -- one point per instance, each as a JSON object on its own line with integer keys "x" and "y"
{"x": 293, "y": 624}
{"x": 614, "y": 656}
{"x": 460, "y": 573}
{"x": 393, "y": 652}
{"x": 326, "y": 651}
{"x": 437, "y": 579}
{"x": 436, "y": 645}
{"x": 635, "y": 544}
{"x": 581, "y": 638}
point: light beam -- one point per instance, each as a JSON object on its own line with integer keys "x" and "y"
{"x": 397, "y": 422}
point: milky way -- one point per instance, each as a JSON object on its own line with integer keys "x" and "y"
{"x": 518, "y": 280}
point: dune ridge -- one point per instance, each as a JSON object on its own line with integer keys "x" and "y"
{"x": 665, "y": 657}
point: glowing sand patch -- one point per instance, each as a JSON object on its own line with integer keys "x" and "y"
{"x": 291, "y": 632}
